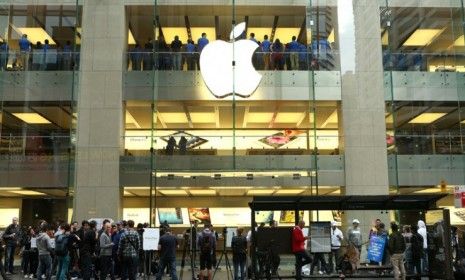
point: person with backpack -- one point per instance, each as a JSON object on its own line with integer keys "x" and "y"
{"x": 128, "y": 251}
{"x": 417, "y": 250}
{"x": 63, "y": 246}
{"x": 239, "y": 249}
{"x": 106, "y": 246}
{"x": 206, "y": 243}
{"x": 44, "y": 246}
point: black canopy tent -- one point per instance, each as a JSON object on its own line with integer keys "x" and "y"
{"x": 344, "y": 203}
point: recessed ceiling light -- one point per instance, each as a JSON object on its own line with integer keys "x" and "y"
{"x": 31, "y": 118}
{"x": 202, "y": 192}
{"x": 422, "y": 37}
{"x": 35, "y": 34}
{"x": 460, "y": 42}
{"x": 429, "y": 190}
{"x": 173, "y": 192}
{"x": 427, "y": 118}
{"x": 25, "y": 192}
{"x": 293, "y": 191}
{"x": 260, "y": 192}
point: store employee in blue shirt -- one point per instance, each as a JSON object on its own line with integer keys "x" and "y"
{"x": 293, "y": 49}
{"x": 202, "y": 42}
{"x": 265, "y": 48}
{"x": 25, "y": 48}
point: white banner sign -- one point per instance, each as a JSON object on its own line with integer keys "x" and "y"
{"x": 150, "y": 238}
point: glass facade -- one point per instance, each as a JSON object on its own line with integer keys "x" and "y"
{"x": 199, "y": 122}
{"x": 39, "y": 63}
{"x": 423, "y": 57}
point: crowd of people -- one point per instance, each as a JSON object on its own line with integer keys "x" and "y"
{"x": 405, "y": 250}
{"x": 270, "y": 55}
{"x": 115, "y": 250}
{"x": 70, "y": 250}
{"x": 38, "y": 56}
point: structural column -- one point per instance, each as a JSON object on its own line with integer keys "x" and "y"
{"x": 100, "y": 110}
{"x": 363, "y": 137}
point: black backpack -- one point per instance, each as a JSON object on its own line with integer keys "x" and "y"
{"x": 206, "y": 246}
{"x": 61, "y": 245}
{"x": 417, "y": 245}
{"x": 238, "y": 246}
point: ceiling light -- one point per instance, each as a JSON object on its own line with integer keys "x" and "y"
{"x": 170, "y": 32}
{"x": 131, "y": 120}
{"x": 131, "y": 40}
{"x": 173, "y": 192}
{"x": 196, "y": 33}
{"x": 430, "y": 190}
{"x": 260, "y": 192}
{"x": 331, "y": 119}
{"x": 259, "y": 32}
{"x": 35, "y": 34}
{"x": 260, "y": 117}
{"x": 126, "y": 193}
{"x": 27, "y": 192}
{"x": 174, "y": 117}
{"x": 331, "y": 38}
{"x": 294, "y": 191}
{"x": 460, "y": 42}
{"x": 284, "y": 34}
{"x": 288, "y": 117}
{"x": 202, "y": 192}
{"x": 31, "y": 118}
{"x": 385, "y": 38}
{"x": 203, "y": 117}
{"x": 427, "y": 118}
{"x": 422, "y": 37}
{"x": 10, "y": 189}
{"x": 137, "y": 188}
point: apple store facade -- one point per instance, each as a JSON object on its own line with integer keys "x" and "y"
{"x": 155, "y": 110}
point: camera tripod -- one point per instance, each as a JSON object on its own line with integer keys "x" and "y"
{"x": 189, "y": 249}
{"x": 224, "y": 254}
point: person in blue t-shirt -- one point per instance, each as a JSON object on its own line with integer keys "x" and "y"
{"x": 67, "y": 56}
{"x": 190, "y": 55}
{"x": 293, "y": 49}
{"x": 24, "y": 48}
{"x": 202, "y": 42}
{"x": 265, "y": 48}
{"x": 136, "y": 58}
{"x": 257, "y": 56}
{"x": 3, "y": 55}
{"x": 303, "y": 65}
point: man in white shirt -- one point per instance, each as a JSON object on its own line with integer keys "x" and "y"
{"x": 336, "y": 240}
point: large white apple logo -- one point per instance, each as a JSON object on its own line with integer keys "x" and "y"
{"x": 217, "y": 69}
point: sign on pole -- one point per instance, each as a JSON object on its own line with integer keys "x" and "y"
{"x": 459, "y": 196}
{"x": 150, "y": 237}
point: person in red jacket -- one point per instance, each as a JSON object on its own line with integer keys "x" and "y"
{"x": 298, "y": 248}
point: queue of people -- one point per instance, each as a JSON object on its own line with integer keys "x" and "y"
{"x": 270, "y": 55}
{"x": 115, "y": 250}
{"x": 38, "y": 56}
{"x": 69, "y": 251}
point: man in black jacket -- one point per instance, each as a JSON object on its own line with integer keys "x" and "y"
{"x": 87, "y": 250}
{"x": 397, "y": 249}
{"x": 11, "y": 238}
